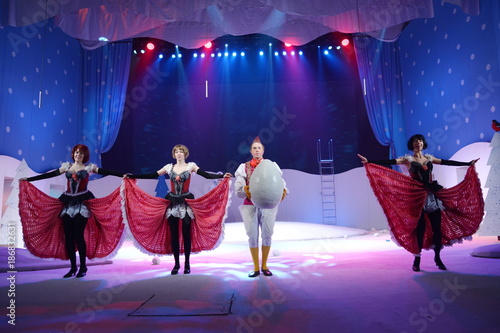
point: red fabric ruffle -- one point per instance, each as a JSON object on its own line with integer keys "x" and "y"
{"x": 402, "y": 199}
{"x": 43, "y": 230}
{"x": 146, "y": 217}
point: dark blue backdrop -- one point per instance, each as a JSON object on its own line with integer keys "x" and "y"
{"x": 288, "y": 101}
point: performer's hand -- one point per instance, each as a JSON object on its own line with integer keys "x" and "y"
{"x": 247, "y": 191}
{"x": 363, "y": 159}
{"x": 23, "y": 179}
{"x": 284, "y": 195}
{"x": 474, "y": 161}
{"x": 227, "y": 175}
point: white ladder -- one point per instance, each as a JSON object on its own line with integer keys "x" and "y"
{"x": 327, "y": 178}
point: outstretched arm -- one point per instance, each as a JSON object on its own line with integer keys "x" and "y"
{"x": 382, "y": 162}
{"x": 454, "y": 163}
{"x": 46, "y": 175}
{"x": 105, "y": 172}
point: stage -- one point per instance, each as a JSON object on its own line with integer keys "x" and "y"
{"x": 326, "y": 279}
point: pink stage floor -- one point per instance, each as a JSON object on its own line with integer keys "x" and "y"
{"x": 326, "y": 279}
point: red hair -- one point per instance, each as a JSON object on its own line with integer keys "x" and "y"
{"x": 84, "y": 149}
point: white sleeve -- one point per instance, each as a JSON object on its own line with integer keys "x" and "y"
{"x": 240, "y": 182}
{"x": 65, "y": 166}
{"x": 191, "y": 166}
{"x": 167, "y": 168}
{"x": 284, "y": 183}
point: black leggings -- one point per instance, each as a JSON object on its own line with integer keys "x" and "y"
{"x": 435, "y": 219}
{"x": 186, "y": 236}
{"x": 74, "y": 228}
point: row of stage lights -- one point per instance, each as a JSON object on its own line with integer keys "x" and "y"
{"x": 150, "y": 47}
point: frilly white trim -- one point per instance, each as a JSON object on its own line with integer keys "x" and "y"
{"x": 65, "y": 166}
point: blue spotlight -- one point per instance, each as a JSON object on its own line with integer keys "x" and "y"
{"x": 213, "y": 55}
{"x": 174, "y": 56}
{"x": 195, "y": 55}
{"x": 325, "y": 52}
{"x": 276, "y": 53}
{"x": 301, "y": 53}
{"x": 219, "y": 54}
{"x": 203, "y": 55}
{"x": 160, "y": 56}
{"x": 338, "y": 47}
{"x": 261, "y": 53}
{"x": 242, "y": 54}
{"x": 226, "y": 54}
{"x": 142, "y": 51}
{"x": 292, "y": 53}
{"x": 234, "y": 54}
{"x": 179, "y": 55}
{"x": 135, "y": 51}
{"x": 284, "y": 53}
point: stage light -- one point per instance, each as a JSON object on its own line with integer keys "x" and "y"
{"x": 203, "y": 55}
{"x": 276, "y": 53}
{"x": 219, "y": 54}
{"x": 325, "y": 52}
{"x": 195, "y": 55}
{"x": 288, "y": 44}
{"x": 226, "y": 54}
{"x": 135, "y": 51}
{"x": 292, "y": 53}
{"x": 160, "y": 56}
{"x": 284, "y": 53}
{"x": 213, "y": 55}
{"x": 261, "y": 53}
{"x": 242, "y": 54}
{"x": 179, "y": 55}
{"x": 142, "y": 51}
{"x": 345, "y": 42}
{"x": 330, "y": 47}
{"x": 301, "y": 53}
{"x": 103, "y": 39}
{"x": 173, "y": 56}
{"x": 337, "y": 47}
{"x": 150, "y": 46}
{"x": 234, "y": 54}
{"x": 208, "y": 45}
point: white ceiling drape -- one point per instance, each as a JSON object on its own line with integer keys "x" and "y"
{"x": 192, "y": 23}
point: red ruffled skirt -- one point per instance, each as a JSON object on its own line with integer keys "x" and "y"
{"x": 146, "y": 218}
{"x": 402, "y": 199}
{"x": 43, "y": 229}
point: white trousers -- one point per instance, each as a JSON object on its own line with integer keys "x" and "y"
{"x": 255, "y": 218}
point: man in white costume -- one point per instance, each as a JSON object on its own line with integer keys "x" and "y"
{"x": 255, "y": 217}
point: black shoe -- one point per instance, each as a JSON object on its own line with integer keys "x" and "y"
{"x": 187, "y": 271}
{"x": 253, "y": 274}
{"x": 440, "y": 264}
{"x": 175, "y": 270}
{"x": 82, "y": 272}
{"x": 70, "y": 273}
{"x": 266, "y": 272}
{"x": 416, "y": 264}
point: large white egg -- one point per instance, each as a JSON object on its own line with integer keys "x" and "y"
{"x": 266, "y": 185}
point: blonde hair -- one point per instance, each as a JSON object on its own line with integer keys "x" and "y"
{"x": 182, "y": 148}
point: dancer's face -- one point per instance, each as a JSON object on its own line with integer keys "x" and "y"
{"x": 257, "y": 150}
{"x": 78, "y": 156}
{"x": 179, "y": 155}
{"x": 418, "y": 144}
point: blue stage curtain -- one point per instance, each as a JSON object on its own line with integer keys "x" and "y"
{"x": 380, "y": 75}
{"x": 105, "y": 77}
